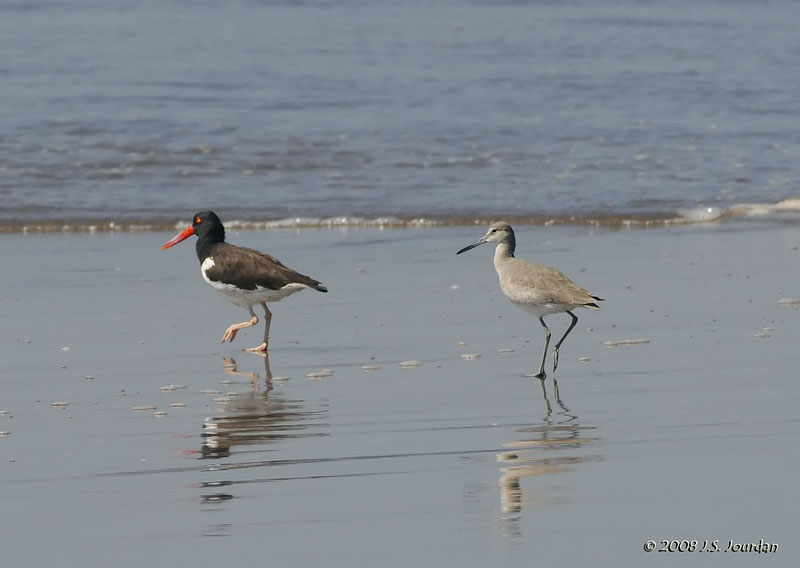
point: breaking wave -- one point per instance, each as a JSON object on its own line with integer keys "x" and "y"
{"x": 787, "y": 210}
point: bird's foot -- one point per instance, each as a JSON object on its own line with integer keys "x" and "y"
{"x": 540, "y": 375}
{"x": 230, "y": 334}
{"x": 260, "y": 349}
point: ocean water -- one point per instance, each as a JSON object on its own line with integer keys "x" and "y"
{"x": 120, "y": 114}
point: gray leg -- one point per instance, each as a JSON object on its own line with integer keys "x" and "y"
{"x": 560, "y": 341}
{"x": 541, "y": 374}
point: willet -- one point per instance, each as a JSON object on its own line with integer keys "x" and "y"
{"x": 536, "y": 288}
{"x": 244, "y": 276}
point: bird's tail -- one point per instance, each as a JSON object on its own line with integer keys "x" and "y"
{"x": 593, "y": 305}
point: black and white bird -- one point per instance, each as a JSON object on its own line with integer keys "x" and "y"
{"x": 244, "y": 276}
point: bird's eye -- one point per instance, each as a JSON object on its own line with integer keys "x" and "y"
{"x": 493, "y": 231}
{"x": 198, "y": 220}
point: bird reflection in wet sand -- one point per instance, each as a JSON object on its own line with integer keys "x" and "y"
{"x": 256, "y": 417}
{"x": 553, "y": 447}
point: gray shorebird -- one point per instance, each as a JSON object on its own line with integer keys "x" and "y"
{"x": 536, "y": 288}
{"x": 244, "y": 276}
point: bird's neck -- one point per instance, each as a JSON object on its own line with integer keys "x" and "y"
{"x": 502, "y": 252}
{"x": 205, "y": 248}
{"x": 208, "y": 237}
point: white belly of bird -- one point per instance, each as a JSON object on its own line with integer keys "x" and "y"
{"x": 540, "y": 310}
{"x": 247, "y": 298}
{"x": 531, "y": 301}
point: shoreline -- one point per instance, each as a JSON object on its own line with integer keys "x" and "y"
{"x": 786, "y": 211}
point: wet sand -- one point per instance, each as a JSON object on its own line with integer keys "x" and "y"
{"x": 459, "y": 461}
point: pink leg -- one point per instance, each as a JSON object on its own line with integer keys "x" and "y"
{"x": 267, "y": 320}
{"x": 230, "y": 333}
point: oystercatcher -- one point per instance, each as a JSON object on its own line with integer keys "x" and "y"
{"x": 244, "y": 276}
{"x": 539, "y": 289}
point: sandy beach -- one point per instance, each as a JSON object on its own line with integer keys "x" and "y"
{"x": 130, "y": 433}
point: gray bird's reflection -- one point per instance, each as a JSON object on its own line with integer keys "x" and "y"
{"x": 256, "y": 417}
{"x": 554, "y": 446}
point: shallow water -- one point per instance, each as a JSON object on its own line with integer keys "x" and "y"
{"x": 693, "y": 435}
{"x": 144, "y": 113}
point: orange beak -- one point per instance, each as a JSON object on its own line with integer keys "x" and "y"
{"x": 185, "y": 234}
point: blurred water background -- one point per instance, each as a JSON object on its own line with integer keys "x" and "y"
{"x": 120, "y": 114}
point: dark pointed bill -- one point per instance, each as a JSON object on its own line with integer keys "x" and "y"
{"x": 473, "y": 245}
{"x": 185, "y": 234}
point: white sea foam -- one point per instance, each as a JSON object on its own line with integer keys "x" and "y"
{"x": 710, "y": 214}
{"x": 701, "y": 214}
{"x": 781, "y": 210}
